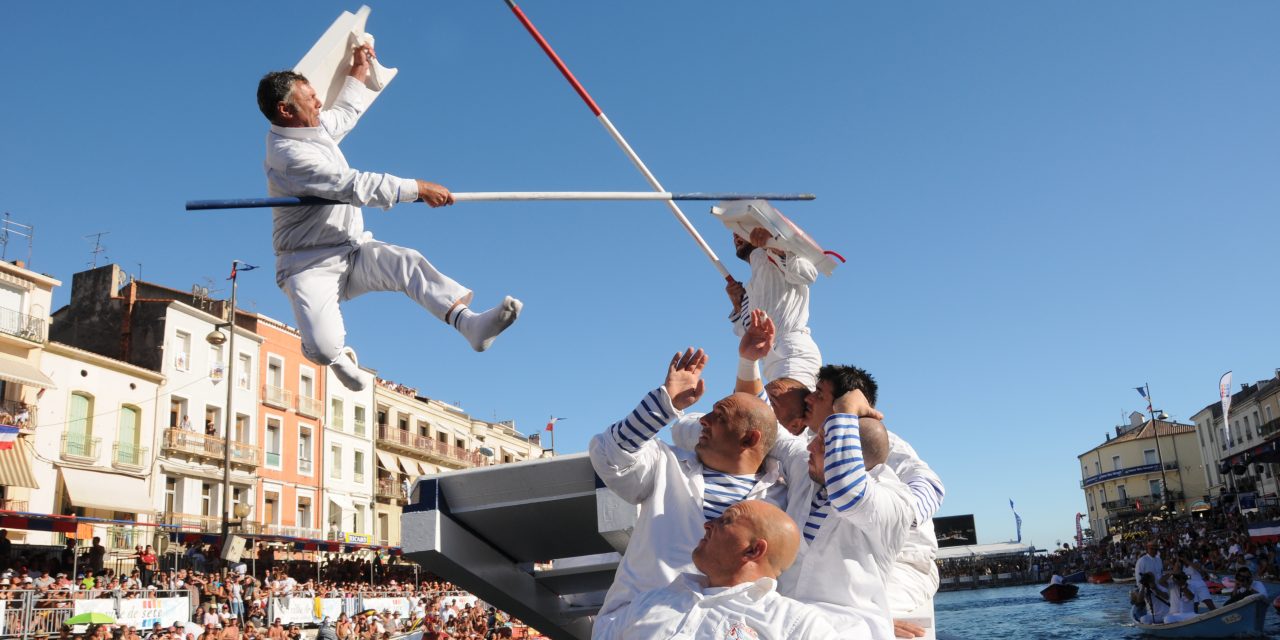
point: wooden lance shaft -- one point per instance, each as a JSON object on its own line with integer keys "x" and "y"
{"x": 504, "y": 196}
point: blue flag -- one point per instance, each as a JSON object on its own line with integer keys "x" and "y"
{"x": 1017, "y": 519}
{"x": 241, "y": 266}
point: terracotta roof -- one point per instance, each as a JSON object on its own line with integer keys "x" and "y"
{"x": 1146, "y": 431}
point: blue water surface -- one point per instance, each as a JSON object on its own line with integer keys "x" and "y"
{"x": 1100, "y": 612}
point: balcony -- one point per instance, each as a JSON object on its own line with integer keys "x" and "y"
{"x": 273, "y": 459}
{"x": 13, "y": 505}
{"x": 430, "y": 448}
{"x": 21, "y": 325}
{"x": 310, "y": 407}
{"x": 1126, "y": 472}
{"x": 389, "y": 489}
{"x": 208, "y": 524}
{"x": 80, "y": 448}
{"x": 128, "y": 457}
{"x": 361, "y": 426}
{"x": 296, "y": 532}
{"x": 276, "y": 397}
{"x": 190, "y": 443}
{"x": 18, "y": 414}
{"x": 1148, "y": 502}
{"x": 304, "y": 466}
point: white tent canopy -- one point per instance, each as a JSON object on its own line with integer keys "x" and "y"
{"x": 985, "y": 550}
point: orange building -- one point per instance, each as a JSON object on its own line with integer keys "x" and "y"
{"x": 290, "y": 429}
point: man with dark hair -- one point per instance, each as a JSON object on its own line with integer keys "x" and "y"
{"x": 860, "y": 512}
{"x": 323, "y": 254}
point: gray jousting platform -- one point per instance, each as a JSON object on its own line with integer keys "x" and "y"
{"x": 537, "y": 539}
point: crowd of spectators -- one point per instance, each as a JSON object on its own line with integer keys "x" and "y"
{"x": 234, "y": 604}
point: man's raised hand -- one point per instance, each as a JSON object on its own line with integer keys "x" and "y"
{"x": 684, "y": 378}
{"x": 855, "y": 403}
{"x": 736, "y": 293}
{"x": 758, "y": 338}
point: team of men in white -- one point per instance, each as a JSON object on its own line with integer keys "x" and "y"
{"x": 323, "y": 253}
{"x": 788, "y": 511}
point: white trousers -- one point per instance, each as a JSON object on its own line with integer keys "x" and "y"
{"x": 794, "y": 355}
{"x": 909, "y": 588}
{"x": 316, "y": 280}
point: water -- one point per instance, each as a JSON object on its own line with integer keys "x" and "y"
{"x": 1101, "y": 612}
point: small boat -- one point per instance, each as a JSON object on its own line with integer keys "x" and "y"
{"x": 1276, "y": 603}
{"x": 1060, "y": 592}
{"x": 1241, "y": 619}
{"x": 1102, "y": 577}
{"x": 1074, "y": 577}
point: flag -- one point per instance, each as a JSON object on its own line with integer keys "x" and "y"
{"x": 8, "y": 436}
{"x": 242, "y": 266}
{"x": 551, "y": 423}
{"x": 1137, "y": 504}
{"x": 1224, "y": 395}
{"x": 1142, "y": 391}
{"x": 1017, "y": 519}
{"x": 1079, "y": 531}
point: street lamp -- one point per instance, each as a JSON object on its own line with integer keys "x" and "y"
{"x": 217, "y": 338}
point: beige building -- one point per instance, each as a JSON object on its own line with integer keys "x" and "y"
{"x": 1242, "y": 455}
{"x": 416, "y": 436}
{"x": 1130, "y": 474}
{"x": 25, "y": 297}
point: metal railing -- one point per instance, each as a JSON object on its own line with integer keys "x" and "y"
{"x": 210, "y": 524}
{"x": 310, "y": 407}
{"x": 273, "y": 459}
{"x": 190, "y": 442}
{"x": 22, "y": 325}
{"x": 389, "y": 488}
{"x": 13, "y": 505}
{"x": 128, "y": 454}
{"x": 277, "y": 397}
{"x": 361, "y": 426}
{"x": 296, "y": 532}
{"x": 337, "y": 421}
{"x": 304, "y": 466}
{"x": 431, "y": 447}
{"x": 78, "y": 446}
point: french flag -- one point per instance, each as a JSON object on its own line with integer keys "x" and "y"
{"x": 8, "y": 436}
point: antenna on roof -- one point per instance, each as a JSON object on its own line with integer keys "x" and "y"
{"x": 98, "y": 248}
{"x": 9, "y": 227}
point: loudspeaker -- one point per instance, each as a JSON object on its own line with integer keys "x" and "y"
{"x": 233, "y": 549}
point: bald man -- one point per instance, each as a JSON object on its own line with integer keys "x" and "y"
{"x": 740, "y": 557}
{"x": 860, "y": 512}
{"x": 679, "y": 490}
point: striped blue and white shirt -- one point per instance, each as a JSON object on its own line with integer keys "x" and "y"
{"x": 642, "y": 424}
{"x": 724, "y": 490}
{"x": 818, "y": 508}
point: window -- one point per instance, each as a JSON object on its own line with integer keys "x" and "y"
{"x": 1121, "y": 493}
{"x": 273, "y": 443}
{"x": 216, "y": 368}
{"x": 335, "y": 465}
{"x": 244, "y": 371}
{"x": 127, "y": 450}
{"x": 1097, "y": 468}
{"x": 304, "y": 450}
{"x": 178, "y": 413}
{"x": 238, "y": 495}
{"x": 182, "y": 351}
{"x": 443, "y": 438}
{"x": 1115, "y": 463}
{"x": 271, "y": 510}
{"x": 206, "y": 499}
{"x": 304, "y": 512}
{"x": 170, "y": 495}
{"x": 242, "y": 430}
{"x": 275, "y": 372}
{"x": 460, "y": 443}
{"x": 359, "y": 419}
{"x": 1155, "y": 488}
{"x": 358, "y": 525}
{"x": 403, "y": 422}
{"x": 335, "y": 413}
{"x": 307, "y": 384}
{"x": 79, "y": 436}
{"x": 213, "y": 421}
{"x": 1201, "y": 432}
{"x": 357, "y": 466}
{"x": 424, "y": 428}
{"x": 1149, "y": 457}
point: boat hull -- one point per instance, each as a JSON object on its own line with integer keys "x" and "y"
{"x": 1074, "y": 577}
{"x": 1059, "y": 592}
{"x": 1243, "y": 619}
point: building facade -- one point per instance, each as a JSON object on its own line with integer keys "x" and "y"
{"x": 1241, "y": 456}
{"x": 101, "y": 427}
{"x": 1145, "y": 466}
{"x": 349, "y": 504}
{"x": 25, "y": 297}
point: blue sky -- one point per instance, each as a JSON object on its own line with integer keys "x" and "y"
{"x": 1044, "y": 205}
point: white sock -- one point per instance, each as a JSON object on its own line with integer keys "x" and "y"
{"x": 480, "y": 329}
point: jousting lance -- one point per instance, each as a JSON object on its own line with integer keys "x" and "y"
{"x": 512, "y": 196}
{"x": 617, "y": 137}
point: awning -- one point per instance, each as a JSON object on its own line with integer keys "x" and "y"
{"x": 106, "y": 491}
{"x": 23, "y": 373}
{"x": 342, "y": 501}
{"x": 408, "y": 466}
{"x": 15, "y": 470}
{"x": 388, "y": 461}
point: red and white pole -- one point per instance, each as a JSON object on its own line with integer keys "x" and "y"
{"x": 617, "y": 137}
